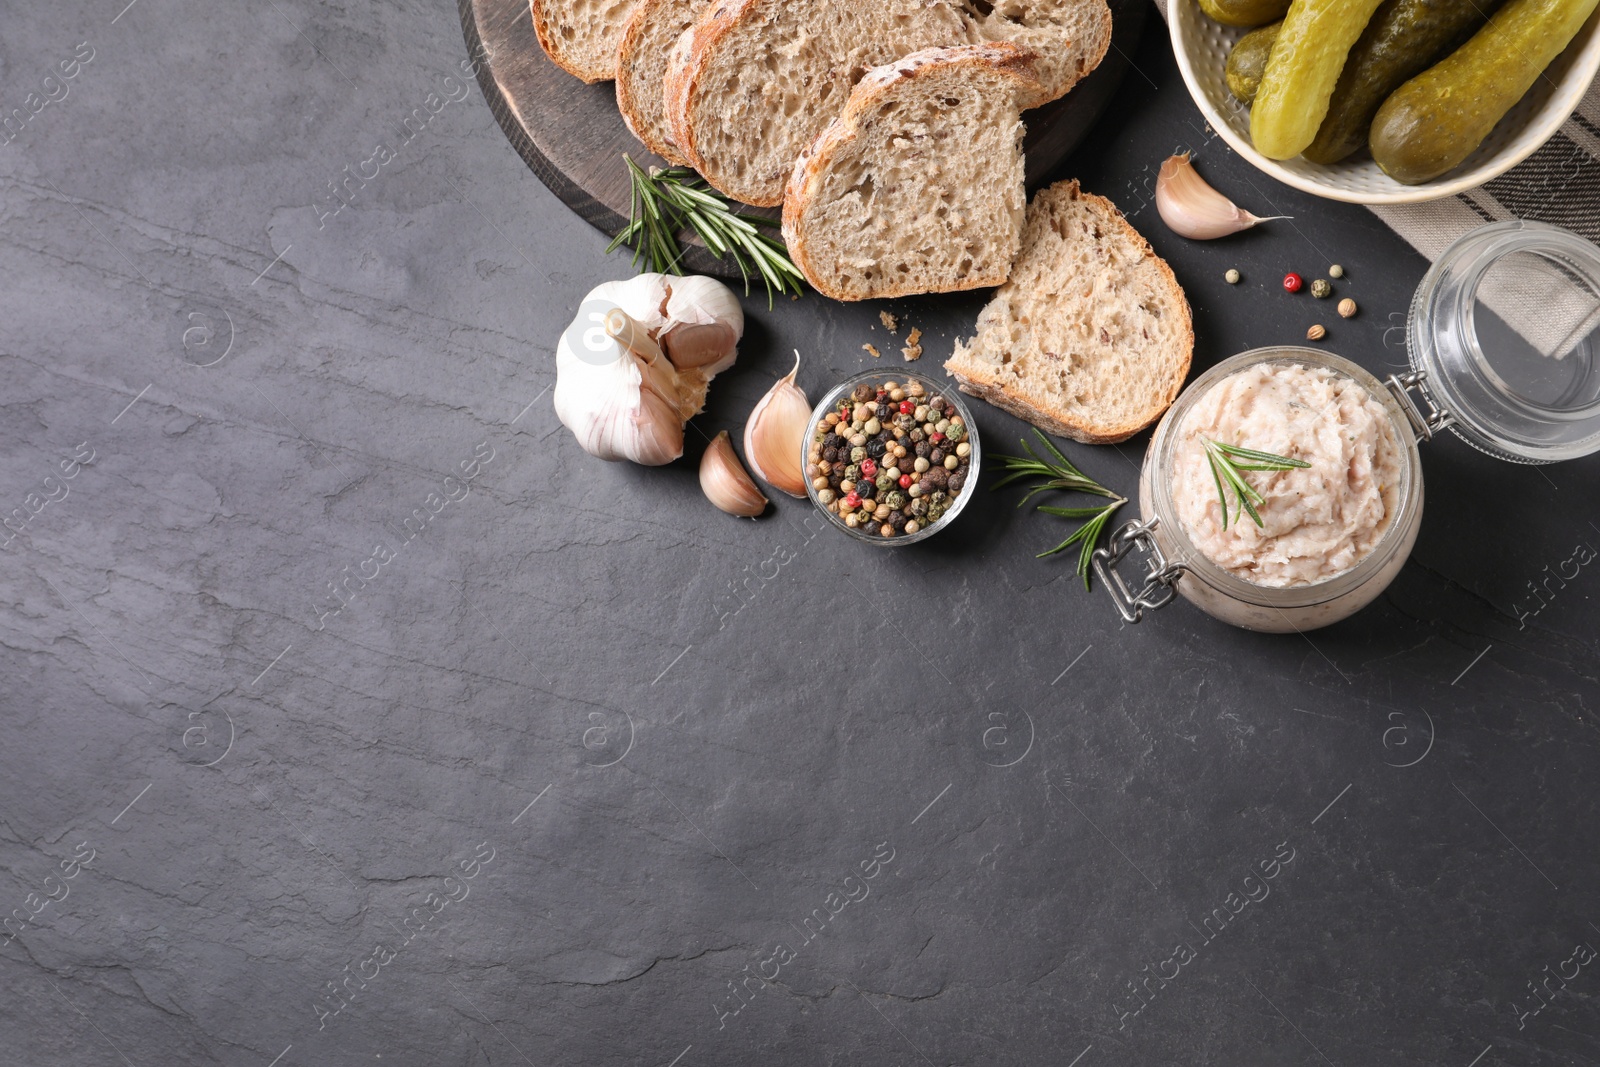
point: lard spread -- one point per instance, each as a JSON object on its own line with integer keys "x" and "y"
{"x": 1318, "y": 521}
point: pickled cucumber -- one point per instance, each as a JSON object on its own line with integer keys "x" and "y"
{"x": 1248, "y": 60}
{"x": 1245, "y": 13}
{"x": 1403, "y": 39}
{"x": 1435, "y": 121}
{"x": 1302, "y": 70}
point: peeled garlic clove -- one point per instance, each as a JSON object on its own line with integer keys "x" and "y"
{"x": 725, "y": 482}
{"x": 704, "y": 324}
{"x": 1193, "y": 209}
{"x": 774, "y": 435}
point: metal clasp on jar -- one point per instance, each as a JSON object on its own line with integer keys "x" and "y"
{"x": 1160, "y": 580}
{"x": 1423, "y": 424}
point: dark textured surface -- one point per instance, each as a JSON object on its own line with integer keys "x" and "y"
{"x": 1065, "y": 800}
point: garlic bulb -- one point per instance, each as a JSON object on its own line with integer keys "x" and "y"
{"x": 774, "y": 435}
{"x": 634, "y": 367}
{"x": 725, "y": 482}
{"x": 1191, "y": 208}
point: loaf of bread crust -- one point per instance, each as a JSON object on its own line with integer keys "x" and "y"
{"x": 1091, "y": 337}
{"x": 647, "y": 43}
{"x": 582, "y": 35}
{"x": 917, "y": 186}
{"x": 754, "y": 82}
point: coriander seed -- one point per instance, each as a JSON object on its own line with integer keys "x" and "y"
{"x": 1316, "y": 333}
{"x": 1347, "y": 308}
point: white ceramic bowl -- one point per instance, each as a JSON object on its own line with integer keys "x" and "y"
{"x": 1202, "y": 48}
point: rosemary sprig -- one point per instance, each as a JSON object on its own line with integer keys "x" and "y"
{"x": 1229, "y": 463}
{"x": 666, "y": 202}
{"x": 1062, "y": 475}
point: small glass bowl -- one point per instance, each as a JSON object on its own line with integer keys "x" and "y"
{"x": 974, "y": 458}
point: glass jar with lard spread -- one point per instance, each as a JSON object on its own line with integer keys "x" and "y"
{"x": 1504, "y": 339}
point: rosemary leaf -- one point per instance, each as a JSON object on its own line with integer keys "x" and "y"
{"x": 1228, "y": 473}
{"x": 1063, "y": 476}
{"x": 664, "y": 203}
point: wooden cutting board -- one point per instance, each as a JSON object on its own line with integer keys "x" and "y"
{"x": 572, "y": 137}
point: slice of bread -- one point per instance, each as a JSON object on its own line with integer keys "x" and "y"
{"x": 755, "y": 81}
{"x": 582, "y": 35}
{"x": 1069, "y": 37}
{"x": 1091, "y": 337}
{"x": 647, "y": 43}
{"x": 918, "y": 185}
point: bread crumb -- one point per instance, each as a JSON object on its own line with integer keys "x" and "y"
{"x": 915, "y": 337}
{"x": 874, "y": 351}
{"x": 890, "y": 323}
{"x": 912, "y": 353}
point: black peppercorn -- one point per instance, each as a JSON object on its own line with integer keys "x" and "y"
{"x": 876, "y": 448}
{"x": 863, "y": 392}
{"x": 936, "y": 457}
{"x": 834, "y": 441}
{"x": 831, "y": 455}
{"x": 957, "y": 480}
{"x": 923, "y": 449}
{"x": 897, "y": 519}
{"x": 865, "y": 489}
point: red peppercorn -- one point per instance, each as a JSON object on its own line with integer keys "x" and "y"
{"x": 907, "y": 407}
{"x": 1292, "y": 282}
{"x": 905, "y": 481}
{"x": 852, "y": 499}
{"x": 936, "y": 437}
{"x": 869, "y": 468}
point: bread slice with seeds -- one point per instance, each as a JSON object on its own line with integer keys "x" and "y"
{"x": 582, "y": 35}
{"x": 917, "y": 187}
{"x": 754, "y": 82}
{"x": 647, "y": 43}
{"x": 1091, "y": 337}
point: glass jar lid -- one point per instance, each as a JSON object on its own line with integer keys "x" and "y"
{"x": 1506, "y": 329}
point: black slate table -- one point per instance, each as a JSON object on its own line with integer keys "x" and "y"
{"x": 585, "y": 772}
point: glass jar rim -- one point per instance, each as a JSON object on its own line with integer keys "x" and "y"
{"x": 1163, "y": 449}
{"x": 1461, "y": 379}
{"x": 975, "y": 455}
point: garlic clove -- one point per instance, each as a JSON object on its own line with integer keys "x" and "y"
{"x": 704, "y": 324}
{"x": 725, "y": 483}
{"x": 692, "y": 344}
{"x": 774, "y": 435}
{"x": 1193, "y": 209}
